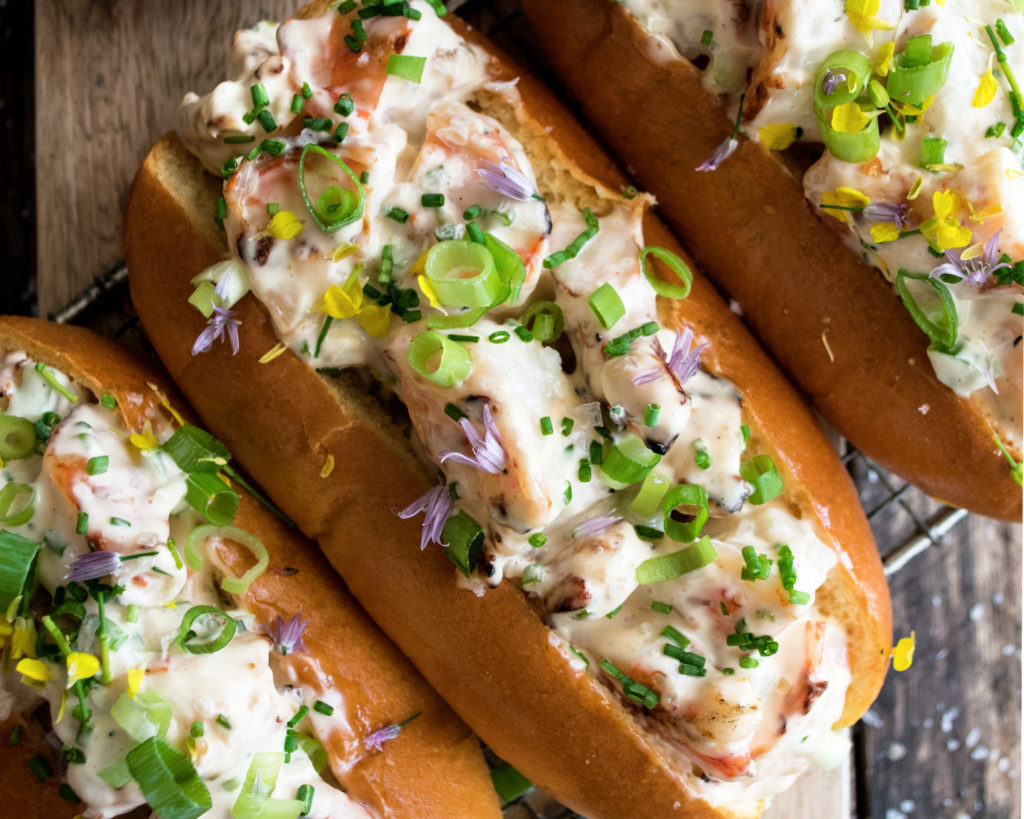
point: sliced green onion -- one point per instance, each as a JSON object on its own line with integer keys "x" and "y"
{"x": 406, "y": 67}
{"x": 439, "y": 359}
{"x": 761, "y": 473}
{"x": 211, "y": 497}
{"x": 648, "y": 533}
{"x": 16, "y": 557}
{"x": 509, "y": 265}
{"x": 915, "y": 76}
{"x": 97, "y": 465}
{"x": 462, "y": 273}
{"x": 850, "y": 147}
{"x": 196, "y": 450}
{"x": 690, "y": 501}
{"x": 465, "y": 539}
{"x": 232, "y": 585}
{"x": 168, "y": 781}
{"x": 847, "y": 62}
{"x": 455, "y": 321}
{"x": 312, "y": 748}
{"x": 17, "y": 437}
{"x": 534, "y": 573}
{"x": 758, "y": 567}
{"x": 629, "y": 461}
{"x": 942, "y": 329}
{"x": 186, "y": 634}
{"x": 143, "y": 716}
{"x": 17, "y": 504}
{"x": 648, "y": 500}
{"x": 337, "y": 204}
{"x": 670, "y": 566}
{"x": 933, "y": 151}
{"x": 675, "y": 264}
{"x": 607, "y": 305}
{"x": 508, "y": 782}
{"x": 339, "y": 218}
{"x": 545, "y": 320}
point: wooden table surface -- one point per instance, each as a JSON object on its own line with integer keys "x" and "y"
{"x": 943, "y": 740}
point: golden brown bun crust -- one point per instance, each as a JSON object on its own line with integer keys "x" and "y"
{"x": 435, "y": 766}
{"x": 749, "y": 224}
{"x": 491, "y": 656}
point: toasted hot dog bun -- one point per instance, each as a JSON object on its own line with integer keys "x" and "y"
{"x": 491, "y": 656}
{"x": 433, "y": 768}
{"x": 831, "y": 321}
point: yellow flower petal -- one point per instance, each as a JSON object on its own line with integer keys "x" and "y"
{"x": 421, "y": 264}
{"x": 903, "y": 653}
{"x": 848, "y": 118}
{"x": 375, "y": 320}
{"x": 135, "y": 676}
{"x": 273, "y": 352}
{"x": 428, "y": 290}
{"x": 144, "y": 440}
{"x": 943, "y": 203}
{"x": 62, "y": 708}
{"x": 986, "y": 90}
{"x": 1013, "y": 173}
{"x": 863, "y": 14}
{"x": 328, "y": 466}
{"x": 885, "y": 54}
{"x": 23, "y": 644}
{"x": 952, "y": 234}
{"x": 915, "y": 189}
{"x": 883, "y": 232}
{"x": 284, "y": 225}
{"x": 338, "y": 304}
{"x": 81, "y": 666}
{"x": 166, "y": 404}
{"x": 33, "y": 671}
{"x": 777, "y": 136}
{"x": 343, "y": 251}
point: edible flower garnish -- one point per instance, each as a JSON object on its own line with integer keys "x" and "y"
{"x": 863, "y": 14}
{"x": 987, "y": 88}
{"x": 284, "y": 225}
{"x": 81, "y": 666}
{"x": 376, "y": 740}
{"x": 437, "y": 505}
{"x": 972, "y": 265}
{"x": 505, "y": 178}
{"x": 683, "y": 363}
{"x": 23, "y": 641}
{"x": 777, "y": 136}
{"x": 287, "y": 634}
{"x": 594, "y": 525}
{"x": 726, "y": 148}
{"x": 488, "y": 452}
{"x": 881, "y": 211}
{"x": 944, "y": 228}
{"x": 221, "y": 323}
{"x": 903, "y": 653}
{"x": 93, "y": 565}
{"x": 831, "y": 81}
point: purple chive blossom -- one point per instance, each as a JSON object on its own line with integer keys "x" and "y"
{"x": 376, "y": 740}
{"x": 831, "y": 81}
{"x": 973, "y": 271}
{"x": 93, "y": 565}
{"x": 683, "y": 362}
{"x": 895, "y": 212}
{"x": 221, "y": 322}
{"x": 488, "y": 452}
{"x": 436, "y": 505}
{"x": 720, "y": 154}
{"x": 594, "y": 525}
{"x": 287, "y": 635}
{"x": 506, "y": 179}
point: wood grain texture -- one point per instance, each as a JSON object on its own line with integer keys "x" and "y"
{"x": 105, "y": 93}
{"x": 109, "y": 77}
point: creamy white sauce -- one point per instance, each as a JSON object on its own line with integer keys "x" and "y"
{"x": 536, "y": 509}
{"x": 783, "y": 45}
{"x": 136, "y": 506}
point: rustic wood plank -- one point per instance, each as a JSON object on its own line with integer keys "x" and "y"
{"x": 109, "y": 79}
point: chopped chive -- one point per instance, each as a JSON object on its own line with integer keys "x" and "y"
{"x": 651, "y": 413}
{"x": 345, "y": 105}
{"x": 82, "y": 523}
{"x": 196, "y": 730}
{"x": 584, "y": 473}
{"x": 596, "y": 453}
{"x": 223, "y": 721}
{"x": 346, "y": 6}
{"x": 107, "y": 401}
{"x": 661, "y": 608}
{"x": 462, "y": 338}
{"x": 432, "y": 200}
{"x": 499, "y": 337}
{"x": 132, "y": 614}
{"x": 995, "y": 130}
{"x": 546, "y": 427}
{"x": 748, "y": 662}
{"x": 454, "y": 412}
{"x": 474, "y": 232}
{"x": 317, "y": 123}
{"x": 745, "y": 430}
{"x": 266, "y": 119}
{"x": 307, "y": 92}
{"x": 723, "y": 608}
{"x": 323, "y": 335}
{"x": 1018, "y": 309}
{"x": 322, "y": 707}
{"x": 353, "y": 44}
{"x": 567, "y": 494}
{"x": 16, "y": 733}
{"x": 523, "y": 333}
{"x": 648, "y": 532}
{"x": 690, "y": 670}
{"x": 340, "y": 132}
{"x": 933, "y": 151}
{"x": 296, "y": 105}
{"x": 120, "y": 522}
{"x": 471, "y": 213}
{"x": 299, "y": 716}
{"x": 67, "y": 794}
{"x": 305, "y": 796}
{"x": 40, "y": 768}
{"x": 358, "y": 31}
{"x": 239, "y": 139}
{"x": 676, "y": 636}
{"x": 728, "y": 671}
{"x": 567, "y": 424}
{"x": 537, "y": 539}
{"x": 258, "y": 92}
{"x": 1004, "y": 32}
{"x": 97, "y": 465}
{"x": 614, "y": 611}
{"x": 399, "y": 215}
{"x": 706, "y": 36}
{"x": 630, "y": 192}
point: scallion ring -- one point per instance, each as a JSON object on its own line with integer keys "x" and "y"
{"x": 186, "y": 634}
{"x": 254, "y": 801}
{"x": 689, "y": 500}
{"x": 858, "y": 146}
{"x": 232, "y": 585}
{"x": 912, "y": 82}
{"x": 545, "y": 320}
{"x": 510, "y": 267}
{"x": 629, "y": 461}
{"x": 143, "y": 716}
{"x": 462, "y": 273}
{"x": 670, "y": 566}
{"x": 439, "y": 359}
{"x": 761, "y": 473}
{"x": 16, "y": 556}
{"x": 196, "y": 450}
{"x": 17, "y": 504}
{"x": 607, "y": 305}
{"x": 465, "y": 538}
{"x": 943, "y": 328}
{"x": 648, "y": 500}
{"x": 17, "y": 437}
{"x": 849, "y": 64}
{"x": 211, "y": 497}
{"x": 675, "y": 264}
{"x": 342, "y": 219}
{"x": 168, "y": 781}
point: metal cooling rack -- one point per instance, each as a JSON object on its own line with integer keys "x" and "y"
{"x": 891, "y": 504}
